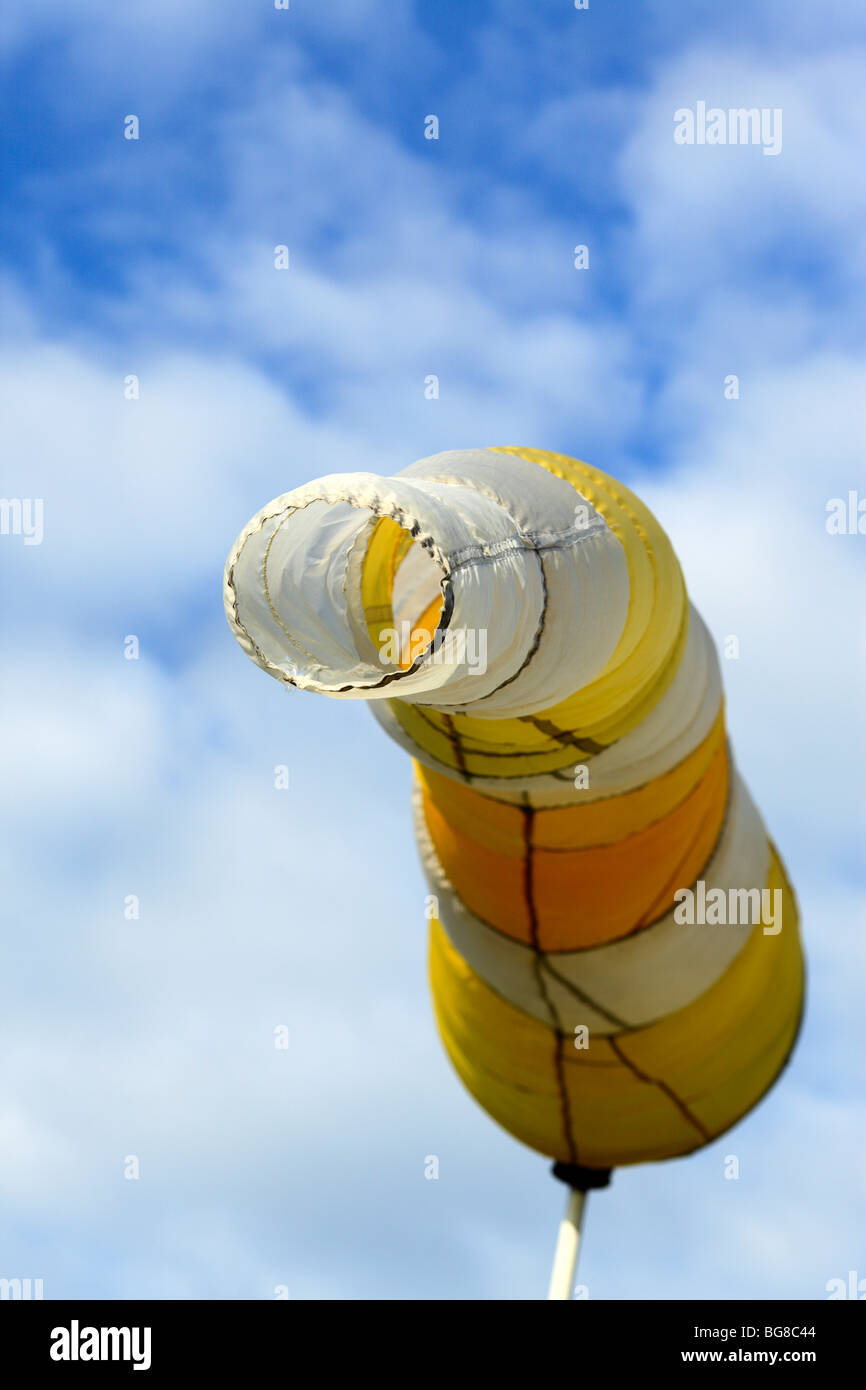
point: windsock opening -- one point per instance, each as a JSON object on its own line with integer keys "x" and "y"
{"x": 433, "y": 587}
{"x": 343, "y": 587}
{"x": 401, "y": 594}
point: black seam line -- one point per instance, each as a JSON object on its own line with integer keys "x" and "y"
{"x": 730, "y": 772}
{"x": 647, "y": 926}
{"x": 539, "y": 539}
{"x": 564, "y": 1106}
{"x": 560, "y": 736}
{"x": 704, "y": 820}
{"x": 525, "y": 543}
{"x": 587, "y": 999}
{"x": 536, "y": 640}
{"x": 578, "y": 950}
{"x": 546, "y": 726}
{"x": 448, "y": 769}
{"x": 526, "y": 805}
{"x": 663, "y": 1086}
{"x": 454, "y": 739}
{"x": 473, "y": 752}
{"x": 248, "y": 642}
{"x": 533, "y": 649}
{"x": 782, "y": 1065}
{"x": 380, "y": 508}
{"x": 566, "y": 950}
{"x": 395, "y": 512}
{"x": 482, "y": 751}
{"x": 548, "y": 956}
{"x": 445, "y": 618}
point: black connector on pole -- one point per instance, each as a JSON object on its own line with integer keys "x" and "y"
{"x": 580, "y": 1178}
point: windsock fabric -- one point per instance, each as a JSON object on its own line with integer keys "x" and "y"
{"x": 614, "y": 948}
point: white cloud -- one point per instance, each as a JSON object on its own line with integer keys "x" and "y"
{"x": 713, "y": 216}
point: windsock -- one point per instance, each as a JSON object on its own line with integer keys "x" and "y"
{"x": 615, "y": 957}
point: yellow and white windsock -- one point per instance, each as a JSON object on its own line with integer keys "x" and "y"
{"x": 614, "y": 949}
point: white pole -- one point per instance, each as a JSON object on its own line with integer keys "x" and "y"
{"x": 567, "y": 1247}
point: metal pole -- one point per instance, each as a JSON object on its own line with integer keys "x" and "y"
{"x": 567, "y": 1247}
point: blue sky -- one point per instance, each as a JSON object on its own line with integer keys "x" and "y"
{"x": 304, "y": 908}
